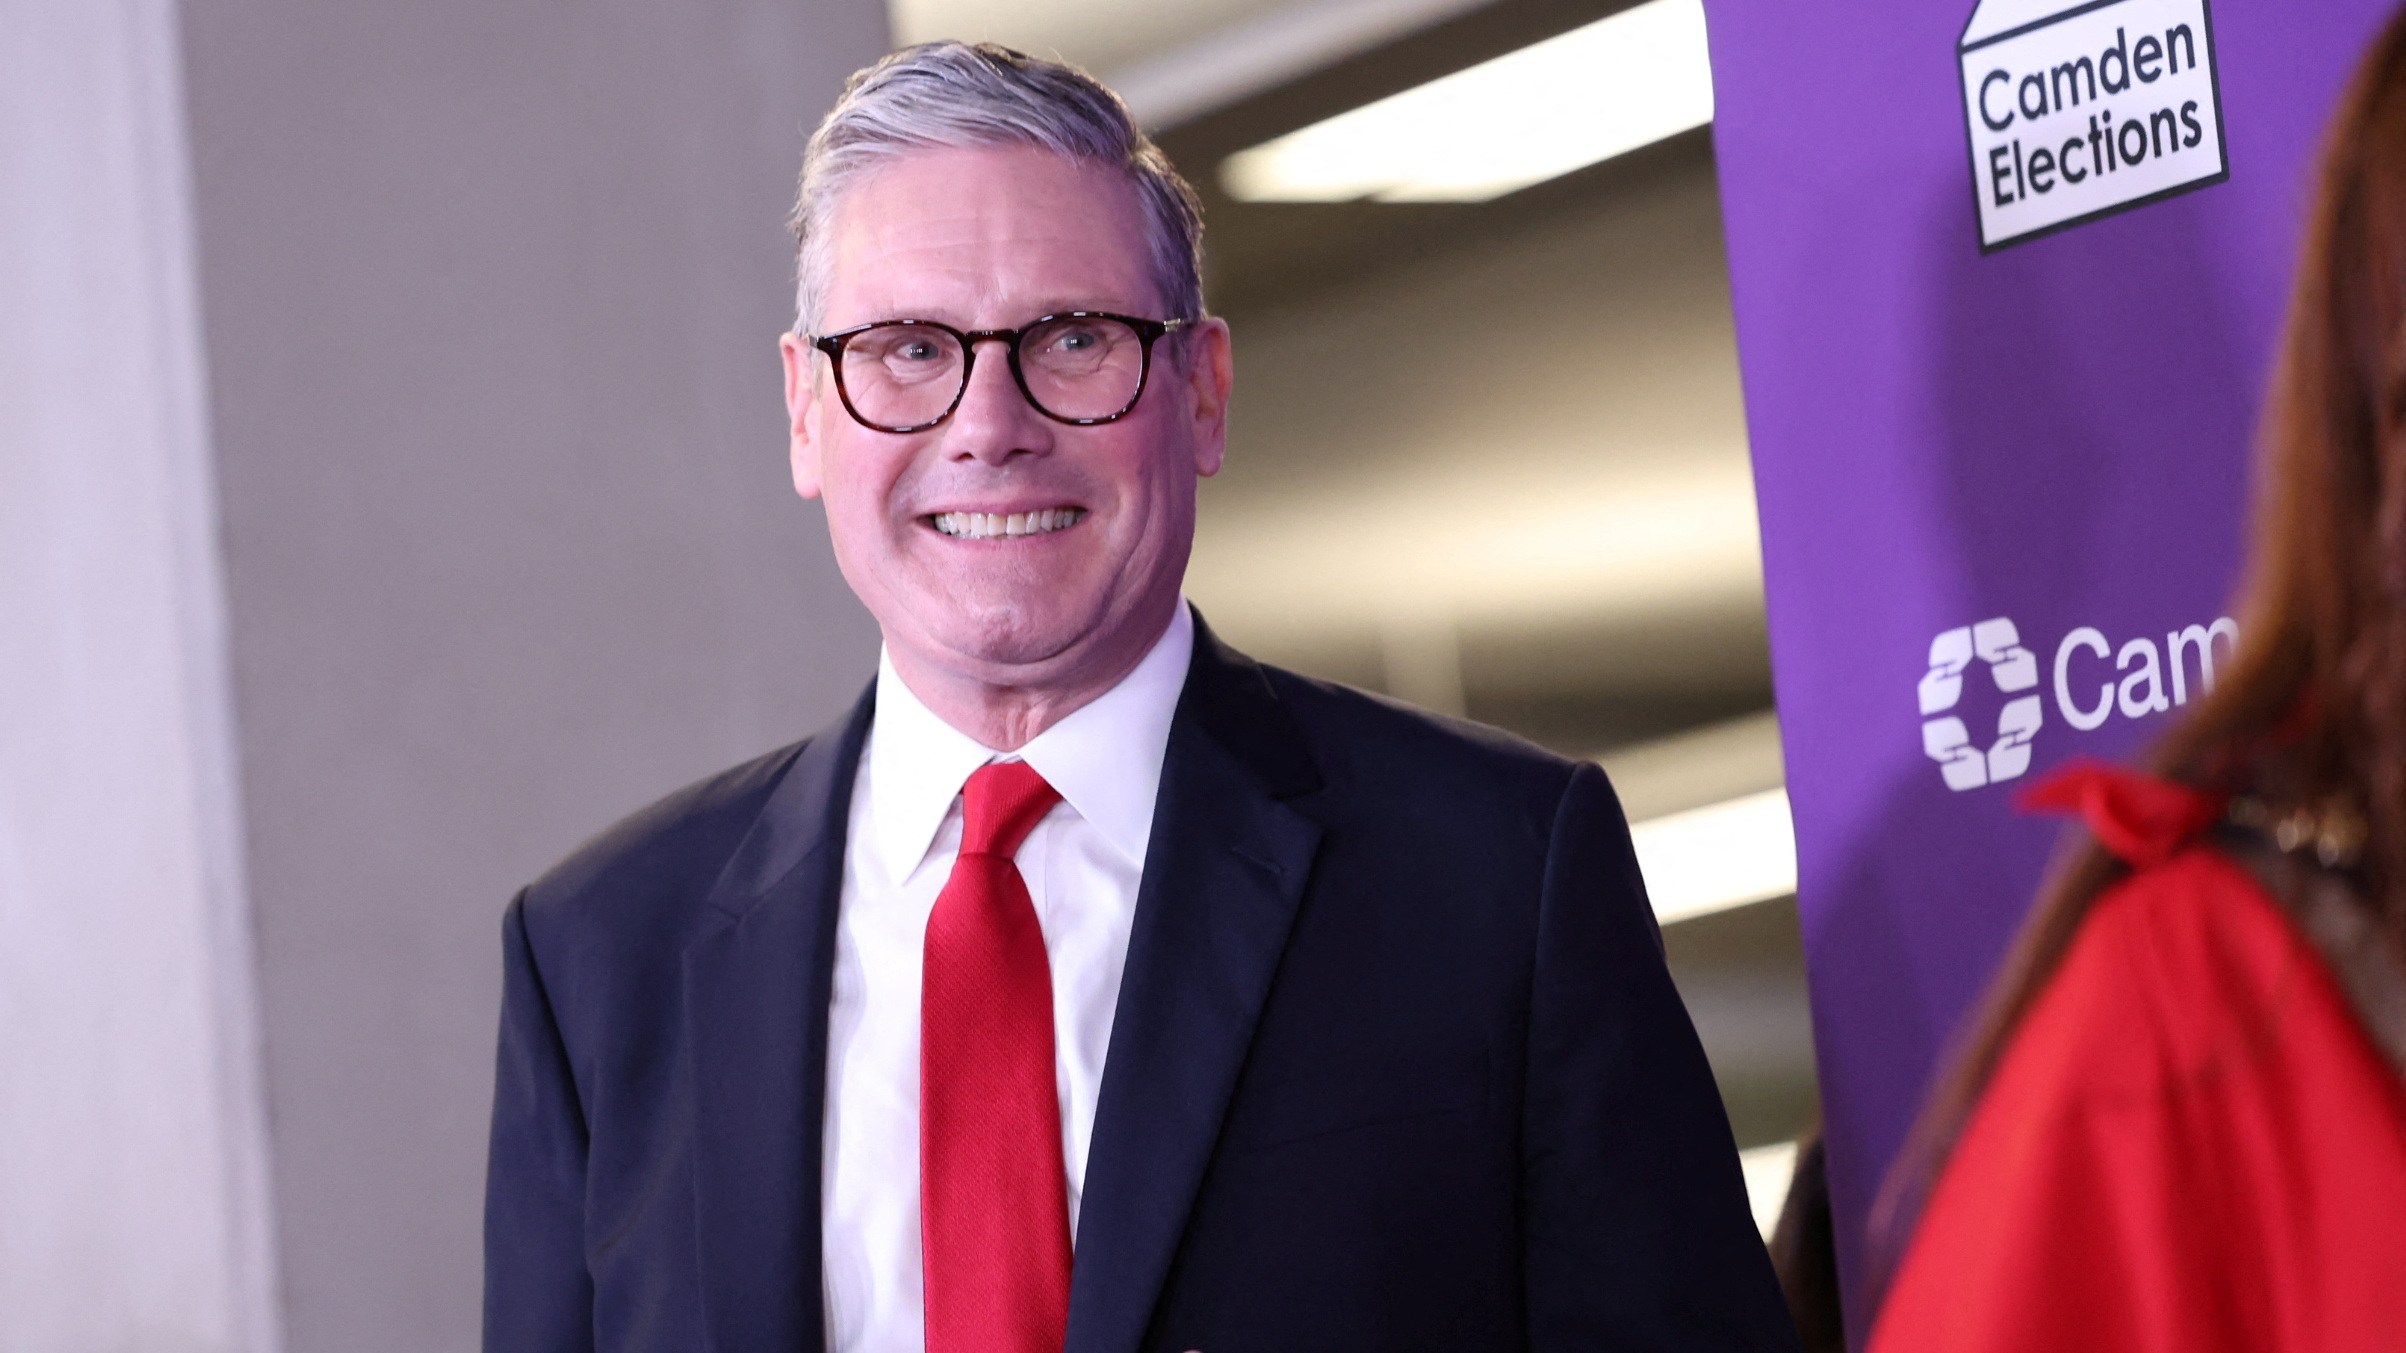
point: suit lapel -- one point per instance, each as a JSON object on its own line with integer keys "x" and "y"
{"x": 1223, "y": 878}
{"x": 759, "y": 1093}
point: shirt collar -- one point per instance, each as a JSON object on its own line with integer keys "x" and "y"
{"x": 1104, "y": 757}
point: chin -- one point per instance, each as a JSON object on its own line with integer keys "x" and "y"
{"x": 1017, "y": 633}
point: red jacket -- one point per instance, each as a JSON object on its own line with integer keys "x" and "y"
{"x": 2190, "y": 1143}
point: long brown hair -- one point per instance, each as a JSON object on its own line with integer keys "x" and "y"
{"x": 2313, "y": 706}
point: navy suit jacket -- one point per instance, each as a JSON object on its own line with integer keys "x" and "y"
{"x": 1396, "y": 1064}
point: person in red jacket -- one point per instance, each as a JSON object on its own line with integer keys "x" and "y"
{"x": 2181, "y": 1122}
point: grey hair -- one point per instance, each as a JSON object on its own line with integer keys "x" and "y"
{"x": 954, "y": 95}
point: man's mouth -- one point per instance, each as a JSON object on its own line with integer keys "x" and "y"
{"x": 1005, "y": 526}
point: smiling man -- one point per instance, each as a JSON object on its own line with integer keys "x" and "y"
{"x": 1089, "y": 986}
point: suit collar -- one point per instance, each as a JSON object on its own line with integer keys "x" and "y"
{"x": 813, "y": 798}
{"x": 1222, "y": 881}
{"x": 758, "y": 1093}
{"x": 1229, "y": 702}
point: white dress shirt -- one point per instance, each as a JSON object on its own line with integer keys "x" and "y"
{"x": 1082, "y": 864}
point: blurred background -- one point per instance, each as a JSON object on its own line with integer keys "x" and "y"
{"x": 392, "y": 493}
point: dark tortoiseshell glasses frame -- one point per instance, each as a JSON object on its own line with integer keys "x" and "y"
{"x": 1148, "y": 332}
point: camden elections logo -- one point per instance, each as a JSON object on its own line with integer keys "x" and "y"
{"x": 2077, "y": 110}
{"x": 2138, "y": 679}
{"x": 1946, "y": 740}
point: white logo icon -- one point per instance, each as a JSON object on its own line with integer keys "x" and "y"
{"x": 2013, "y": 668}
{"x": 2078, "y": 109}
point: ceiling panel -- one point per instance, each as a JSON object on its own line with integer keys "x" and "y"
{"x": 1101, "y": 35}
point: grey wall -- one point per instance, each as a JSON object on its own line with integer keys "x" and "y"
{"x": 133, "y": 1212}
{"x": 490, "y": 291}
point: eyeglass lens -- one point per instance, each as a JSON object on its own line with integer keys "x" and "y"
{"x": 907, "y": 375}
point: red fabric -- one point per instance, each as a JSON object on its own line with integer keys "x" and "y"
{"x": 994, "y": 1212}
{"x": 2189, "y": 1144}
{"x": 2142, "y": 820}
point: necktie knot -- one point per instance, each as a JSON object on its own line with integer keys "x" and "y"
{"x": 1001, "y": 804}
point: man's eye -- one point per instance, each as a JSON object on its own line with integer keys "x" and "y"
{"x": 916, "y": 351}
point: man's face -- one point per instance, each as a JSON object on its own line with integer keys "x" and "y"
{"x": 991, "y": 239}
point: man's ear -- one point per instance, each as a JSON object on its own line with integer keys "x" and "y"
{"x": 801, "y": 407}
{"x": 1209, "y": 371}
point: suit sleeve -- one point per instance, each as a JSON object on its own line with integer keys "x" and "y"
{"x": 1636, "y": 1230}
{"x": 538, "y": 1294}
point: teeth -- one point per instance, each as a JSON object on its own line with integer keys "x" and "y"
{"x": 997, "y": 526}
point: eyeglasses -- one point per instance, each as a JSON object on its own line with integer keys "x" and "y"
{"x": 1079, "y": 367}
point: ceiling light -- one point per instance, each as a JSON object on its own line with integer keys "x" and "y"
{"x": 1525, "y": 117}
{"x": 1282, "y": 44}
{"x": 1769, "y": 1171}
{"x": 1717, "y": 857}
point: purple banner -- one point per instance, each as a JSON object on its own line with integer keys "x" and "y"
{"x": 2007, "y": 280}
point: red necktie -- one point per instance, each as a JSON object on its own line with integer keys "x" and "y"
{"x": 993, "y": 1210}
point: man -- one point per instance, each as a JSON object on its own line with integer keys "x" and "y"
{"x": 1089, "y": 985}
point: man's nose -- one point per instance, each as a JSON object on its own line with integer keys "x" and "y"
{"x": 995, "y": 421}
